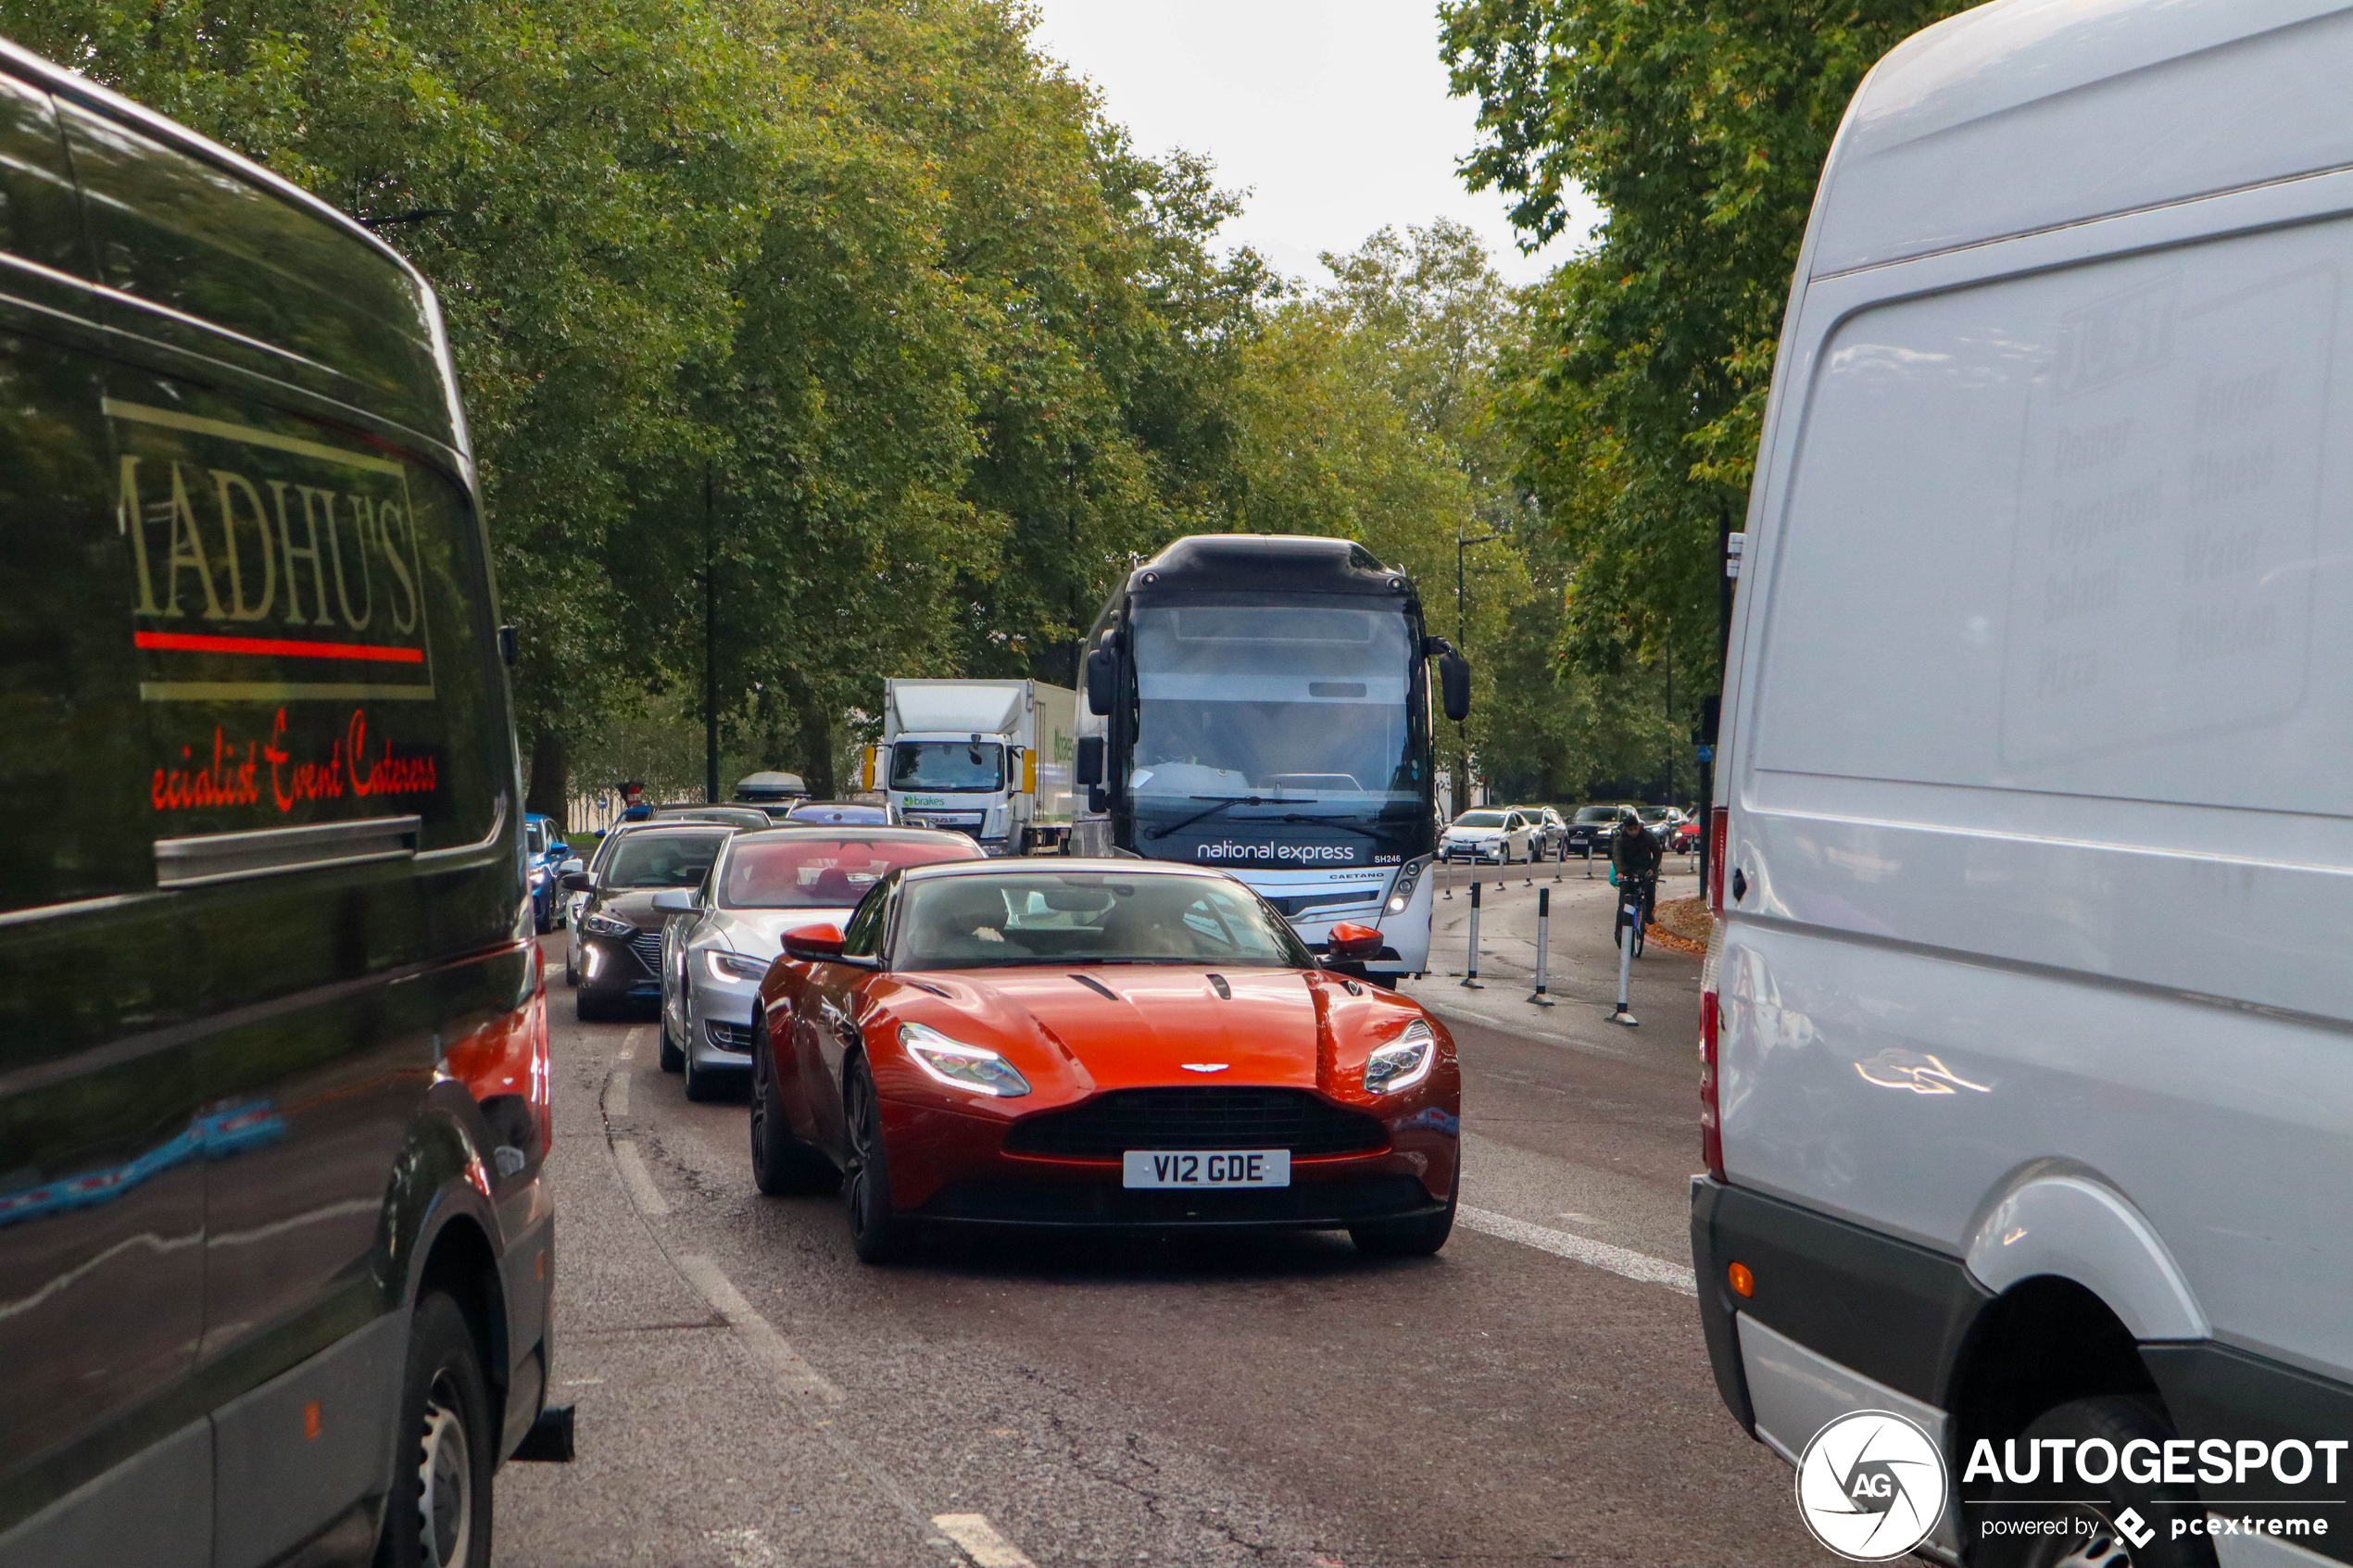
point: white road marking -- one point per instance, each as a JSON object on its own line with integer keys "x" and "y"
{"x": 980, "y": 1540}
{"x": 759, "y": 1335}
{"x": 1582, "y": 1249}
{"x": 617, "y": 1095}
{"x": 637, "y": 1179}
{"x": 629, "y": 1042}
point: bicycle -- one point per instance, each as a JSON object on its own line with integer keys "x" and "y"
{"x": 1641, "y": 895}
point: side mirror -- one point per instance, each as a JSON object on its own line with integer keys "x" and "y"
{"x": 576, "y": 881}
{"x": 674, "y": 901}
{"x": 1352, "y": 941}
{"x": 560, "y": 850}
{"x": 815, "y": 943}
{"x": 1454, "y": 685}
{"x": 575, "y": 865}
{"x": 1088, "y": 766}
{"x": 1103, "y": 680}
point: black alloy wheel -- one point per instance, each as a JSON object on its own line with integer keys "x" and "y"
{"x": 877, "y": 1233}
{"x": 438, "y": 1514}
{"x": 1410, "y": 1238}
{"x": 782, "y": 1165}
{"x": 2116, "y": 1420}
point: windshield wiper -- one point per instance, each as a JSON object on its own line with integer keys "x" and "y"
{"x": 1226, "y": 800}
{"x": 1219, "y": 803}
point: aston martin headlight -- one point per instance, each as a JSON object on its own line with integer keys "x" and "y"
{"x": 961, "y": 1066}
{"x": 602, "y": 924}
{"x": 735, "y": 966}
{"x": 1403, "y": 1063}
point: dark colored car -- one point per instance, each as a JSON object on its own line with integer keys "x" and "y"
{"x": 732, "y": 816}
{"x": 618, "y": 937}
{"x": 543, "y": 854}
{"x": 274, "y": 1245}
{"x": 1590, "y": 828}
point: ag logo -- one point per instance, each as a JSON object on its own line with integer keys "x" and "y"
{"x": 1870, "y": 1486}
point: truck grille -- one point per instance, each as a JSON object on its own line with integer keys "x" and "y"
{"x": 1110, "y": 1124}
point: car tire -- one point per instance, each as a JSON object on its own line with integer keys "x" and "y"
{"x": 672, "y": 1058}
{"x": 782, "y": 1165}
{"x": 1417, "y": 1237}
{"x": 571, "y": 970}
{"x": 438, "y": 1514}
{"x": 2116, "y": 1420}
{"x": 878, "y": 1232}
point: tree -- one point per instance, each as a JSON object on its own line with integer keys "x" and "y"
{"x": 1701, "y": 128}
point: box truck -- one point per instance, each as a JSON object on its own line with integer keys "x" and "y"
{"x": 991, "y": 758}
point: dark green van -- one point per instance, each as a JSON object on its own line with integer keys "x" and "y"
{"x": 276, "y": 1252}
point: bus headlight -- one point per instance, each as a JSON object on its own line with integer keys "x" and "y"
{"x": 1401, "y": 894}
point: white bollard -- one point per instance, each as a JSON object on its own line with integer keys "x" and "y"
{"x": 1470, "y": 970}
{"x": 1626, "y": 891}
{"x": 1544, "y": 944}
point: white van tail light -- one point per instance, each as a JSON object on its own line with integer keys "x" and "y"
{"x": 1711, "y": 1124}
{"x": 1718, "y": 819}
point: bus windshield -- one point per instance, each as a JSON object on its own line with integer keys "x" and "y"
{"x": 1278, "y": 734}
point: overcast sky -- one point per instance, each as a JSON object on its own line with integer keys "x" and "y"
{"x": 1333, "y": 114}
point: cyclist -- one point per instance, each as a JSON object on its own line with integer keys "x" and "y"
{"x": 1635, "y": 855}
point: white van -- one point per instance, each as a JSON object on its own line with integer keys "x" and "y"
{"x": 2028, "y": 1035}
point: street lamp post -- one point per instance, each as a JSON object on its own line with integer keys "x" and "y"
{"x": 1462, "y": 637}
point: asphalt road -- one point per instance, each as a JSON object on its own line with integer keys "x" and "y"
{"x": 749, "y": 1395}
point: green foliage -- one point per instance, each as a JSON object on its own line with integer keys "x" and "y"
{"x": 1700, "y": 127}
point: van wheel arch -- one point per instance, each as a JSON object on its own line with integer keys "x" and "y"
{"x": 2045, "y": 1342}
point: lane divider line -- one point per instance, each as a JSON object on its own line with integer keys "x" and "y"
{"x": 629, "y": 1042}
{"x": 1581, "y": 1249}
{"x": 637, "y": 1179}
{"x": 981, "y": 1541}
{"x": 617, "y": 1095}
{"x": 759, "y": 1335}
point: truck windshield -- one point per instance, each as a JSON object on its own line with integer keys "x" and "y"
{"x": 949, "y": 767}
{"x": 1283, "y": 735}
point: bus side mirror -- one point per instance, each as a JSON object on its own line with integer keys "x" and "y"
{"x": 1088, "y": 766}
{"x": 1454, "y": 685}
{"x": 1103, "y": 681}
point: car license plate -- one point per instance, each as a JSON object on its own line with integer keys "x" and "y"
{"x": 1214, "y": 1168}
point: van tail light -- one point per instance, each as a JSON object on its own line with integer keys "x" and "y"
{"x": 543, "y": 1104}
{"x": 1711, "y": 1122}
{"x": 504, "y": 1064}
{"x": 1719, "y": 821}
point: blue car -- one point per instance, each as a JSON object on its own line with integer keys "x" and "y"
{"x": 544, "y": 851}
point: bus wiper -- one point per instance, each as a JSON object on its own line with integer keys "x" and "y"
{"x": 1224, "y": 800}
{"x": 1220, "y": 803}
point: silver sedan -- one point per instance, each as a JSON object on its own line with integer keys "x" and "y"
{"x": 721, "y": 937}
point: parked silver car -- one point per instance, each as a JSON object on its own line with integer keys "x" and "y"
{"x": 722, "y": 937}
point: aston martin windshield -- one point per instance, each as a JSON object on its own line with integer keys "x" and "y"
{"x": 1085, "y": 918}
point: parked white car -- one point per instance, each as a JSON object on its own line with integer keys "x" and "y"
{"x": 2027, "y": 1039}
{"x": 1489, "y": 834}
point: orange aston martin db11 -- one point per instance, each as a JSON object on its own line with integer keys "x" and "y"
{"x": 1097, "y": 1043}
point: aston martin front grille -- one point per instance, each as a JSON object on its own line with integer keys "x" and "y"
{"x": 1110, "y": 1124}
